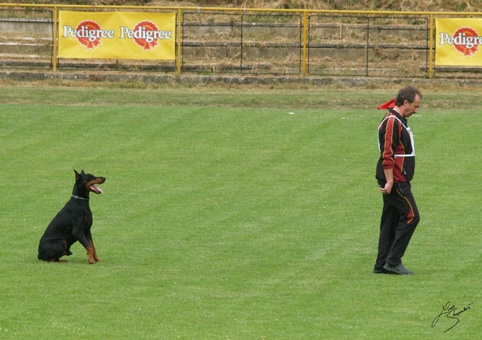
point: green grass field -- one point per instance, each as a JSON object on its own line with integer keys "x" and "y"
{"x": 234, "y": 214}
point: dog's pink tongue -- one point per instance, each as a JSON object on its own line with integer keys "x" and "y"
{"x": 97, "y": 190}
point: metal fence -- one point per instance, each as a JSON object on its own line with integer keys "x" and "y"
{"x": 26, "y": 37}
{"x": 244, "y": 41}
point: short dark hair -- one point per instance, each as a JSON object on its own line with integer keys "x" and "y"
{"x": 407, "y": 93}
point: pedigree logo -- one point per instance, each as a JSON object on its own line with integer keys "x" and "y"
{"x": 88, "y": 33}
{"x": 145, "y": 34}
{"x": 466, "y": 40}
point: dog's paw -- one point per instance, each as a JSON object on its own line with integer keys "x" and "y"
{"x": 58, "y": 261}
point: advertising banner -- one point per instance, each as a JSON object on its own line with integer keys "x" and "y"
{"x": 117, "y": 35}
{"x": 457, "y": 42}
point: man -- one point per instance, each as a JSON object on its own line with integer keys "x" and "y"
{"x": 395, "y": 170}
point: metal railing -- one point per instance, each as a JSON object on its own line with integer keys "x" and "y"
{"x": 244, "y": 41}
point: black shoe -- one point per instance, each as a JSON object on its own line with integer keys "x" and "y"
{"x": 380, "y": 271}
{"x": 399, "y": 269}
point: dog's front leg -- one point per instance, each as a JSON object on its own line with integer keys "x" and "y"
{"x": 90, "y": 254}
{"x": 96, "y": 258}
{"x": 88, "y": 235}
{"x": 79, "y": 234}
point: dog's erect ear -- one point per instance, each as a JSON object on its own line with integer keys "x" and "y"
{"x": 77, "y": 175}
{"x": 82, "y": 173}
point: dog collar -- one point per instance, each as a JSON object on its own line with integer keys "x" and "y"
{"x": 80, "y": 198}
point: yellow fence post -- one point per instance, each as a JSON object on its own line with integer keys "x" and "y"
{"x": 55, "y": 37}
{"x": 179, "y": 42}
{"x": 305, "y": 43}
{"x": 430, "y": 48}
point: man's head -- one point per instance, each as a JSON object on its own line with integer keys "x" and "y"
{"x": 407, "y": 101}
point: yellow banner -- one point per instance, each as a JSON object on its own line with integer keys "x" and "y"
{"x": 117, "y": 35}
{"x": 457, "y": 42}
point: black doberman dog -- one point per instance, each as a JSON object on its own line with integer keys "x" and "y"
{"x": 72, "y": 223}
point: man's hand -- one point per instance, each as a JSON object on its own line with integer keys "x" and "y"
{"x": 387, "y": 189}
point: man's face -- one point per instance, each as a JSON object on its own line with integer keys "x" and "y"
{"x": 410, "y": 108}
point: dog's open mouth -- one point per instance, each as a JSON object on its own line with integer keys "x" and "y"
{"x": 95, "y": 189}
